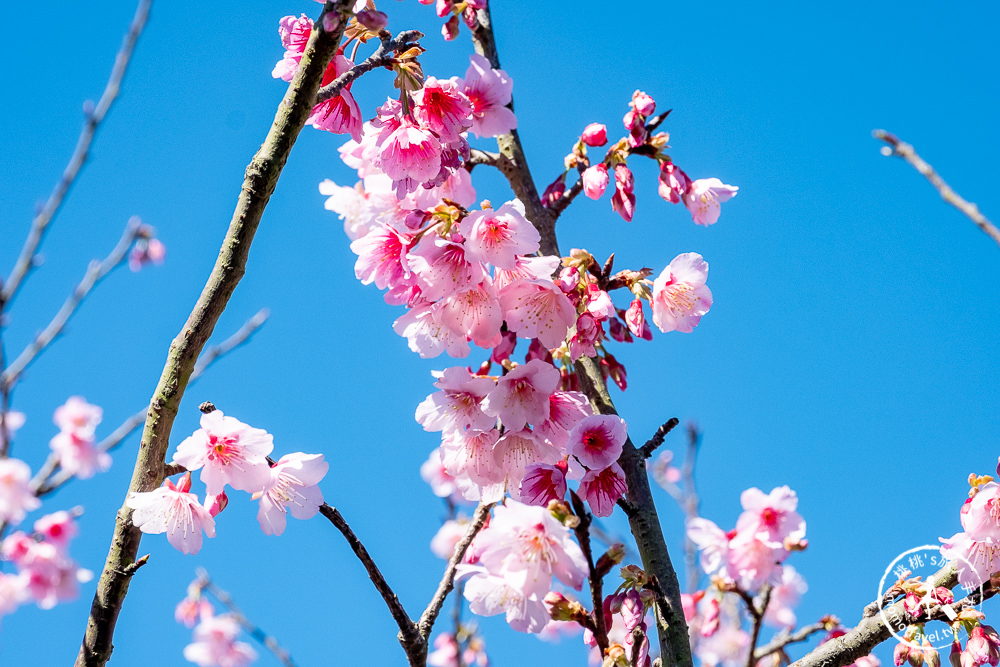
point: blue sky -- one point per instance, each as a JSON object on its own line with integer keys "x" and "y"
{"x": 851, "y": 351}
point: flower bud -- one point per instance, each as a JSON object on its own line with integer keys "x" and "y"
{"x": 595, "y": 134}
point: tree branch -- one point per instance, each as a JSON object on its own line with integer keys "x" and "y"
{"x": 383, "y": 57}
{"x": 409, "y": 636}
{"x": 93, "y": 119}
{"x": 653, "y": 443}
{"x": 95, "y": 272}
{"x": 259, "y": 183}
{"x": 582, "y": 531}
{"x": 783, "y": 640}
{"x": 904, "y": 150}
{"x": 426, "y": 623}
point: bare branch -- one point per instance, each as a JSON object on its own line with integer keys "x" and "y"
{"x": 904, "y": 150}
{"x": 95, "y": 272}
{"x": 786, "y": 638}
{"x": 383, "y": 57}
{"x": 653, "y": 443}
{"x": 582, "y": 531}
{"x": 41, "y": 221}
{"x": 409, "y": 636}
{"x": 258, "y": 185}
{"x": 426, "y": 623}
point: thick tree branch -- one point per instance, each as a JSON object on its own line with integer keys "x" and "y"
{"x": 41, "y": 221}
{"x": 409, "y": 635}
{"x": 673, "y": 634}
{"x": 258, "y": 185}
{"x": 905, "y": 151}
{"x": 512, "y": 162}
{"x": 95, "y": 272}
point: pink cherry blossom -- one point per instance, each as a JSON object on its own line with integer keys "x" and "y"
{"x": 12, "y": 420}
{"x": 475, "y": 312}
{"x": 434, "y": 472}
{"x": 498, "y": 237}
{"x": 292, "y": 489}
{"x": 595, "y": 180}
{"x": 489, "y": 90}
{"x": 602, "y": 489}
{"x": 77, "y": 454}
{"x": 642, "y": 103}
{"x": 16, "y": 496}
{"x": 680, "y": 295}
{"x": 215, "y": 644}
{"x": 441, "y": 267}
{"x": 981, "y": 515}
{"x": 77, "y": 416}
{"x": 636, "y": 320}
{"x": 588, "y": 333}
{"x": 448, "y": 536}
{"x": 527, "y": 268}
{"x": 382, "y": 257}
{"x": 58, "y": 527}
{"x": 228, "y": 452}
{"x": 703, "y": 197}
{"x": 543, "y": 482}
{"x": 595, "y": 134}
{"x": 12, "y": 592}
{"x": 410, "y": 156}
{"x": 784, "y": 596}
{"x": 538, "y": 309}
{"x": 623, "y": 201}
{"x": 566, "y": 409}
{"x": 673, "y": 182}
{"x": 522, "y": 396}
{"x": 294, "y": 36}
{"x": 146, "y": 251}
{"x": 443, "y": 108}
{"x": 172, "y": 510}
{"x": 977, "y": 559}
{"x": 428, "y": 335}
{"x": 339, "y": 114}
{"x": 49, "y": 576}
{"x": 597, "y": 441}
{"x": 513, "y": 452}
{"x": 457, "y": 406}
{"x": 772, "y": 518}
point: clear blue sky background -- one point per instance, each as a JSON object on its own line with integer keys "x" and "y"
{"x": 851, "y": 351}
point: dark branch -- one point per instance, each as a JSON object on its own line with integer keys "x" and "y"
{"x": 382, "y": 57}
{"x": 653, "y": 443}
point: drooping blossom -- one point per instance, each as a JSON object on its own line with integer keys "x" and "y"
{"x": 673, "y": 182}
{"x": 602, "y": 489}
{"x": 635, "y": 318}
{"x": 566, "y": 409}
{"x": 498, "y": 236}
{"x": 542, "y": 483}
{"x": 457, "y": 406}
{"x": 597, "y": 441}
{"x": 292, "y": 489}
{"x": 772, "y": 518}
{"x": 16, "y": 496}
{"x": 680, "y": 295}
{"x": 623, "y": 201}
{"x": 703, "y": 197}
{"x": 215, "y": 643}
{"x": 595, "y": 134}
{"x": 410, "y": 156}
{"x": 595, "y": 180}
{"x": 294, "y": 34}
{"x": 442, "y": 107}
{"x": 489, "y": 90}
{"x": 172, "y": 510}
{"x": 521, "y": 396}
{"x": 228, "y": 452}
{"x": 339, "y": 114}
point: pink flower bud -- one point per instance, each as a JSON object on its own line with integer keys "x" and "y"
{"x": 643, "y": 103}
{"x": 555, "y": 191}
{"x": 900, "y": 653}
{"x": 595, "y": 180}
{"x": 595, "y": 134}
{"x": 372, "y": 19}
{"x": 217, "y": 503}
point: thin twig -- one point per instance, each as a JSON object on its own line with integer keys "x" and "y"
{"x": 426, "y": 623}
{"x": 784, "y": 639}
{"x": 258, "y": 185}
{"x": 265, "y": 640}
{"x": 45, "y": 481}
{"x": 690, "y": 506}
{"x": 653, "y": 443}
{"x": 596, "y": 580}
{"x": 95, "y": 272}
{"x": 904, "y": 150}
{"x": 409, "y": 636}
{"x": 41, "y": 221}
{"x": 757, "y": 618}
{"x": 383, "y": 57}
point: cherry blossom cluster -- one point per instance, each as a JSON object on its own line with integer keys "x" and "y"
{"x": 702, "y": 197}
{"x": 215, "y": 636}
{"x": 455, "y": 651}
{"x": 977, "y": 547}
{"x": 46, "y": 574}
{"x": 229, "y": 453}
{"x": 74, "y": 444}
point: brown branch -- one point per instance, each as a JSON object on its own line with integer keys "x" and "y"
{"x": 757, "y": 617}
{"x": 258, "y": 185}
{"x": 904, "y": 150}
{"x": 871, "y": 631}
{"x": 409, "y": 636}
{"x": 383, "y": 57}
{"x": 512, "y": 162}
{"x": 653, "y": 443}
{"x": 46, "y": 481}
{"x": 426, "y": 623}
{"x": 582, "y": 530}
{"x": 783, "y": 640}
{"x": 42, "y": 219}
{"x": 95, "y": 272}
{"x": 672, "y": 630}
